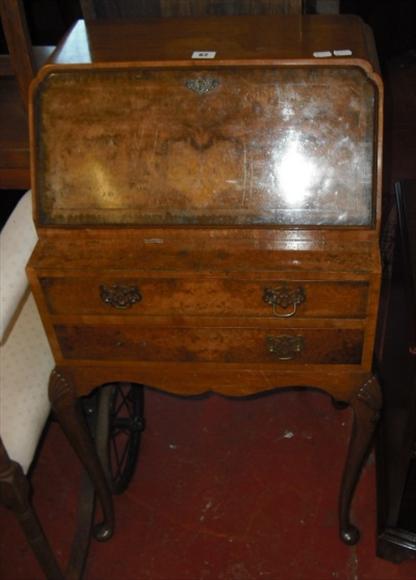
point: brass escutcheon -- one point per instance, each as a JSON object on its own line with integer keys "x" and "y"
{"x": 283, "y": 296}
{"x": 120, "y": 297}
{"x": 285, "y": 346}
{"x": 202, "y": 86}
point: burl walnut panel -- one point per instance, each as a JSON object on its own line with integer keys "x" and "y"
{"x": 248, "y": 345}
{"x": 211, "y": 146}
{"x": 206, "y": 296}
{"x": 211, "y": 225}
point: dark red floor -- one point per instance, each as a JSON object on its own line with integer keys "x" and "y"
{"x": 224, "y": 489}
{"x": 230, "y": 489}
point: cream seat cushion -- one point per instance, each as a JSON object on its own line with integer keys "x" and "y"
{"x": 25, "y": 357}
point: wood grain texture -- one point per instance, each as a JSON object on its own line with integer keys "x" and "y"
{"x": 17, "y": 70}
{"x": 205, "y": 296}
{"x": 196, "y": 188}
{"x": 263, "y": 146}
{"x": 19, "y": 44}
{"x": 184, "y": 252}
{"x": 234, "y": 38}
{"x": 330, "y": 346}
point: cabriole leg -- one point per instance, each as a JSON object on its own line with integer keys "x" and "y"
{"x": 68, "y": 411}
{"x": 366, "y": 407}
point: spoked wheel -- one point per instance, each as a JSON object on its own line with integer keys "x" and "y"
{"x": 120, "y": 423}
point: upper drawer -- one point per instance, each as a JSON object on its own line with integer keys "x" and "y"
{"x": 205, "y": 297}
{"x": 219, "y": 146}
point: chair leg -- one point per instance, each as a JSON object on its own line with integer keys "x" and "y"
{"x": 67, "y": 409}
{"x": 366, "y": 407}
{"x": 14, "y": 494}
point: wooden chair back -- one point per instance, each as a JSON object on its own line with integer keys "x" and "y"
{"x": 17, "y": 69}
{"x": 21, "y": 56}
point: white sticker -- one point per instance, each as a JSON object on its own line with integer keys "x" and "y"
{"x": 344, "y": 52}
{"x": 322, "y": 54}
{"x": 204, "y": 54}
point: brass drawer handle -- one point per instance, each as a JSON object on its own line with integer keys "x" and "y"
{"x": 120, "y": 297}
{"x": 202, "y": 86}
{"x": 283, "y": 296}
{"x": 285, "y": 346}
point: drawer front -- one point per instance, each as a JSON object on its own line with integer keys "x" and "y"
{"x": 205, "y": 297}
{"x": 239, "y": 345}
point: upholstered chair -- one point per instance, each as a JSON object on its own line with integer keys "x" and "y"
{"x": 25, "y": 364}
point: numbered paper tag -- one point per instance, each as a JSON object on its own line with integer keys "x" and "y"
{"x": 322, "y": 54}
{"x": 344, "y": 52}
{"x": 204, "y": 54}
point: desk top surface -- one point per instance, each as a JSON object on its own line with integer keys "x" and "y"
{"x": 232, "y": 38}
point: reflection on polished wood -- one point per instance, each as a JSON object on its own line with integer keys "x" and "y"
{"x": 232, "y": 38}
{"x": 246, "y": 152}
{"x": 203, "y": 202}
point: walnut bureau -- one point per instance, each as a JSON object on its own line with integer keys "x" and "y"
{"x": 210, "y": 224}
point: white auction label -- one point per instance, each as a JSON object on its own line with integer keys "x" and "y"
{"x": 344, "y": 52}
{"x": 204, "y": 54}
{"x": 322, "y": 54}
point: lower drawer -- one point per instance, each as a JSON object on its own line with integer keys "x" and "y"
{"x": 317, "y": 345}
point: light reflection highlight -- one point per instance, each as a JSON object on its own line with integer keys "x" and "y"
{"x": 296, "y": 173}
